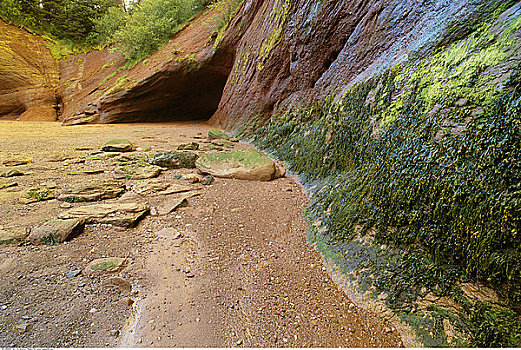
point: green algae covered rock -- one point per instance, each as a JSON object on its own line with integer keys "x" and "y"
{"x": 217, "y": 134}
{"x": 175, "y": 160}
{"x": 247, "y": 164}
{"x": 118, "y": 145}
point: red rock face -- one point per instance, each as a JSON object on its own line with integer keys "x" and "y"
{"x": 182, "y": 81}
{"x": 274, "y": 54}
{"x": 297, "y": 51}
{"x": 28, "y": 76}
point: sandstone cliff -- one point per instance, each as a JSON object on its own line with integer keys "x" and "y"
{"x": 28, "y": 76}
{"x": 183, "y": 80}
{"x": 297, "y": 51}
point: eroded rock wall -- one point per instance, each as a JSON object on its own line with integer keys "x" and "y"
{"x": 297, "y": 51}
{"x": 28, "y": 76}
{"x": 181, "y": 81}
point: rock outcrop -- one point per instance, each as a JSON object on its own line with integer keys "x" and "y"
{"x": 28, "y": 76}
{"x": 183, "y": 80}
{"x": 295, "y": 52}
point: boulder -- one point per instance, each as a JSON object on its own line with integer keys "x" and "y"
{"x": 137, "y": 172}
{"x": 215, "y": 134}
{"x": 223, "y": 143}
{"x": 56, "y": 231}
{"x": 247, "y": 164}
{"x": 93, "y": 190}
{"x": 117, "y": 214}
{"x": 192, "y": 146}
{"x": 105, "y": 266}
{"x": 175, "y": 160}
{"x": 118, "y": 145}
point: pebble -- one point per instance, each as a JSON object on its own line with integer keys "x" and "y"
{"x": 23, "y": 327}
{"x": 126, "y": 301}
{"x": 114, "y": 332}
{"x": 73, "y": 273}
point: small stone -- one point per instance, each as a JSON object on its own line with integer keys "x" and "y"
{"x": 10, "y": 184}
{"x": 126, "y": 301}
{"x": 192, "y": 146}
{"x": 234, "y": 139}
{"x": 73, "y": 273}
{"x": 239, "y": 342}
{"x": 93, "y": 310}
{"x": 118, "y": 282}
{"x": 11, "y": 173}
{"x": 170, "y": 233}
{"x": 207, "y": 180}
{"x": 171, "y": 205}
{"x": 105, "y": 265}
{"x": 23, "y": 327}
{"x": 16, "y": 162}
{"x": 114, "y": 333}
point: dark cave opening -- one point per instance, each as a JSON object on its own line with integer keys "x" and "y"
{"x": 169, "y": 96}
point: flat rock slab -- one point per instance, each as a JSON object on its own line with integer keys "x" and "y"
{"x": 9, "y": 184}
{"x": 93, "y": 190}
{"x": 223, "y": 143}
{"x": 56, "y": 231}
{"x": 141, "y": 172}
{"x": 175, "y": 188}
{"x": 105, "y": 266}
{"x": 150, "y": 186}
{"x": 118, "y": 282}
{"x": 246, "y": 164}
{"x": 192, "y": 146}
{"x": 86, "y": 172}
{"x": 17, "y": 161}
{"x": 175, "y": 160}
{"x": 12, "y": 235}
{"x": 171, "y": 204}
{"x": 118, "y": 145}
{"x": 169, "y": 233}
{"x": 36, "y": 194}
{"x": 11, "y": 173}
{"x": 117, "y": 214}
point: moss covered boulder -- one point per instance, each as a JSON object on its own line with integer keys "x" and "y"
{"x": 118, "y": 145}
{"x": 215, "y": 134}
{"x": 56, "y": 231}
{"x": 175, "y": 160}
{"x": 246, "y": 164}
